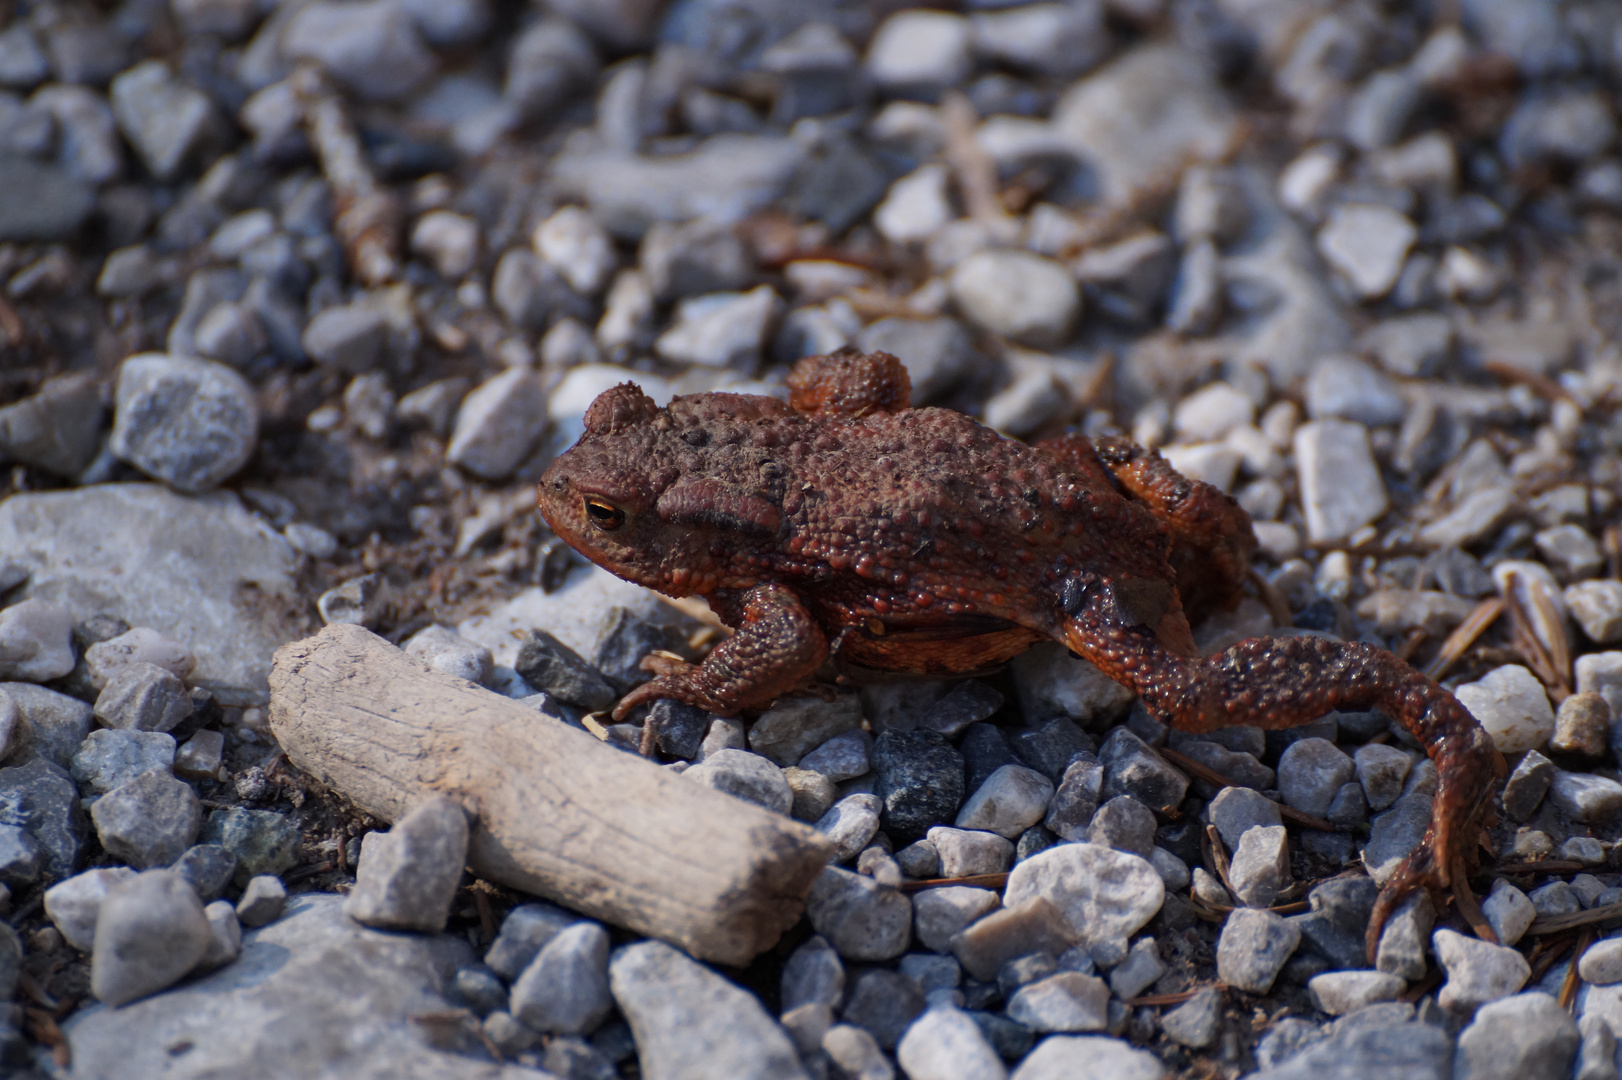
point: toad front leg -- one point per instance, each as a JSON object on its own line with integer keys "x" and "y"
{"x": 776, "y": 649}
{"x": 1283, "y": 682}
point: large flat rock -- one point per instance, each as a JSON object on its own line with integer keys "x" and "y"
{"x": 575, "y": 613}
{"x": 202, "y": 570}
{"x": 313, "y": 995}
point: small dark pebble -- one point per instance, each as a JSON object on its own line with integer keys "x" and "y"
{"x": 681, "y": 727}
{"x": 920, "y": 779}
{"x": 985, "y": 750}
{"x": 552, "y": 667}
{"x": 1050, "y": 747}
{"x": 1335, "y": 926}
{"x": 209, "y": 868}
{"x": 1011, "y": 1039}
{"x": 1032, "y": 841}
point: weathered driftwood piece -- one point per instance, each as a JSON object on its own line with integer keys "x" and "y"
{"x": 560, "y": 814}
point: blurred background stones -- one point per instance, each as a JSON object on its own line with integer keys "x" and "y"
{"x": 298, "y": 299}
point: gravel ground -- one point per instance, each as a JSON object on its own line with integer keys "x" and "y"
{"x": 301, "y": 297}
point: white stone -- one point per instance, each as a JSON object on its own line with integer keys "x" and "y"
{"x": 1340, "y": 992}
{"x": 1477, "y": 972}
{"x": 920, "y": 48}
{"x": 1022, "y": 296}
{"x": 174, "y": 563}
{"x": 1341, "y": 488}
{"x": 946, "y": 1044}
{"x": 1212, "y": 411}
{"x": 1597, "y": 607}
{"x": 1602, "y": 962}
{"x": 1513, "y": 707}
{"x": 916, "y": 208}
{"x": 499, "y": 423}
{"x": 1368, "y": 244}
{"x": 1011, "y": 800}
{"x": 576, "y": 245}
{"x": 721, "y": 329}
{"x": 1105, "y": 895}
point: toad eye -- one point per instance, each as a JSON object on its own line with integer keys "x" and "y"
{"x": 603, "y": 514}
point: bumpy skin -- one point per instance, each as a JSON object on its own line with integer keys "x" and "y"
{"x": 847, "y": 524}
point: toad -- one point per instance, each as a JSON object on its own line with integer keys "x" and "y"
{"x": 847, "y": 525}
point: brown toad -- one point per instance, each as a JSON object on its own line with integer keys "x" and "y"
{"x": 847, "y": 525}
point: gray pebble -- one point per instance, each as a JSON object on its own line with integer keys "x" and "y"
{"x": 111, "y": 757}
{"x": 36, "y": 641}
{"x": 884, "y": 1003}
{"x": 498, "y": 424}
{"x": 524, "y": 932}
{"x": 1124, "y": 824}
{"x": 861, "y": 918}
{"x": 1236, "y": 810}
{"x": 1477, "y": 972}
{"x": 224, "y": 936}
{"x": 797, "y": 723}
{"x": 408, "y": 876}
{"x": 143, "y": 697}
{"x": 856, "y": 1053}
{"x": 43, "y": 800}
{"x": 1381, "y": 770}
{"x": 200, "y": 756}
{"x": 166, "y": 120}
{"x": 151, "y": 930}
{"x": 947, "y": 1044}
{"x": 1525, "y": 1037}
{"x": 262, "y": 901}
{"x": 1011, "y": 800}
{"x": 565, "y": 988}
{"x": 1310, "y": 772}
{"x": 373, "y": 48}
{"x": 689, "y": 1021}
{"x": 191, "y": 423}
{"x": 1260, "y": 869}
{"x": 1396, "y": 833}
{"x": 1141, "y": 969}
{"x": 209, "y": 868}
{"x": 74, "y": 905}
{"x": 841, "y": 757}
{"x": 549, "y": 665}
{"x": 1253, "y": 948}
{"x": 813, "y": 793}
{"x": 1527, "y": 784}
{"x": 1407, "y": 933}
{"x": 1076, "y": 799}
{"x": 1195, "y": 1022}
{"x": 1132, "y": 768}
{"x": 964, "y": 853}
{"x": 263, "y": 841}
{"x": 445, "y": 650}
{"x": 813, "y": 974}
{"x": 58, "y": 428}
{"x": 149, "y": 821}
{"x": 850, "y": 823}
{"x": 745, "y": 776}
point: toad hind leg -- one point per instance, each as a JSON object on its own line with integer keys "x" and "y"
{"x": 778, "y": 647}
{"x": 1283, "y": 682}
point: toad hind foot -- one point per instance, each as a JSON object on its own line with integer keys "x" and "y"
{"x": 1288, "y": 681}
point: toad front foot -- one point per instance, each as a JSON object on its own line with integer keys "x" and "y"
{"x": 778, "y": 647}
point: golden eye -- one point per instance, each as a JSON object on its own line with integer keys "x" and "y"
{"x": 604, "y": 515}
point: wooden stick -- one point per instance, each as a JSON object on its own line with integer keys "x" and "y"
{"x": 1464, "y": 635}
{"x": 1568, "y": 987}
{"x": 1556, "y": 924}
{"x": 977, "y": 881}
{"x": 559, "y": 814}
